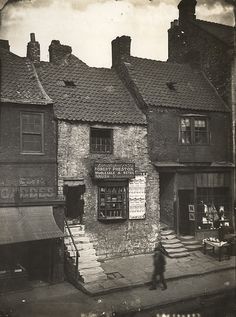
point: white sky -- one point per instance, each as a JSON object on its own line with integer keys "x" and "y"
{"x": 89, "y": 26}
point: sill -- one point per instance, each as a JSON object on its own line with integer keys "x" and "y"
{"x": 32, "y": 153}
{"x": 195, "y": 144}
{"x": 102, "y": 153}
{"x": 112, "y": 219}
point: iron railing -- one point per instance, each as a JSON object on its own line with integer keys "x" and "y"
{"x": 76, "y": 250}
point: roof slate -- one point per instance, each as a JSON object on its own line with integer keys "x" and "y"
{"x": 191, "y": 89}
{"x": 225, "y": 33}
{"x": 19, "y": 80}
{"x": 98, "y": 94}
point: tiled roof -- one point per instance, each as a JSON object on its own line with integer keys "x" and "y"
{"x": 19, "y": 80}
{"x": 223, "y": 32}
{"x": 94, "y": 94}
{"x": 173, "y": 85}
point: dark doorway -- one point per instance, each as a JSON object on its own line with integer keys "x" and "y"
{"x": 74, "y": 202}
{"x": 167, "y": 199}
{"x": 186, "y": 214}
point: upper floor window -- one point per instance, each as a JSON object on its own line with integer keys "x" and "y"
{"x": 101, "y": 140}
{"x": 31, "y": 132}
{"x": 194, "y": 130}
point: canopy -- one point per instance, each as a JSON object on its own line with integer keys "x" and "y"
{"x": 21, "y": 224}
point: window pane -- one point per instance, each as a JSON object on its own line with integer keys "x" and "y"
{"x": 31, "y": 143}
{"x": 101, "y": 140}
{"x": 112, "y": 202}
{"x": 185, "y": 131}
{"x": 200, "y": 131}
{"x": 31, "y": 123}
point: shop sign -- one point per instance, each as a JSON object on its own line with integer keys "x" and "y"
{"x": 114, "y": 170}
{"x": 137, "y": 197}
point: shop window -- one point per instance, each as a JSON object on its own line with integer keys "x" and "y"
{"x": 213, "y": 207}
{"x": 101, "y": 140}
{"x": 194, "y": 130}
{"x": 31, "y": 132}
{"x": 112, "y": 201}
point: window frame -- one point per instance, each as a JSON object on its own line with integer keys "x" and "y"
{"x": 41, "y": 114}
{"x": 125, "y": 200}
{"x": 93, "y": 129}
{"x": 193, "y": 119}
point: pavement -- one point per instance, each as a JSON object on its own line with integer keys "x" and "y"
{"x": 190, "y": 278}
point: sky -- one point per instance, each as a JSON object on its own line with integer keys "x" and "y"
{"x": 89, "y": 26}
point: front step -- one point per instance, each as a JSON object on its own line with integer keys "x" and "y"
{"x": 179, "y": 255}
{"x": 190, "y": 243}
{"x": 89, "y": 268}
{"x": 173, "y": 245}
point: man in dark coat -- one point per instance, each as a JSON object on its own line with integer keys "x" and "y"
{"x": 159, "y": 263}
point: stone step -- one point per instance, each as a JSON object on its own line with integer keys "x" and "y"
{"x": 190, "y": 242}
{"x": 169, "y": 237}
{"x": 94, "y": 278}
{"x": 90, "y": 271}
{"x": 185, "y": 238}
{"x": 178, "y": 250}
{"x": 179, "y": 255}
{"x": 89, "y": 258}
{"x": 167, "y": 232}
{"x": 172, "y": 241}
{"x": 89, "y": 265}
{"x": 84, "y": 253}
{"x": 78, "y": 226}
{"x": 77, "y": 231}
{"x": 173, "y": 246}
{"x": 84, "y": 246}
{"x": 194, "y": 247}
{"x": 79, "y": 239}
{"x": 163, "y": 226}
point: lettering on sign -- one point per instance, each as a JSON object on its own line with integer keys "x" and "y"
{"x": 114, "y": 170}
{"x": 10, "y": 193}
{"x": 137, "y": 197}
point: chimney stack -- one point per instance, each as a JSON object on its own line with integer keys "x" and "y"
{"x": 58, "y": 53}
{"x": 120, "y": 49}
{"x": 187, "y": 10}
{"x": 33, "y": 49}
{"x": 5, "y": 45}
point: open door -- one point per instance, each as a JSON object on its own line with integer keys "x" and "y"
{"x": 186, "y": 212}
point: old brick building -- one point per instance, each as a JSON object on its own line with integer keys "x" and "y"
{"x": 31, "y": 214}
{"x": 104, "y": 169}
{"x": 190, "y": 152}
{"x": 210, "y": 46}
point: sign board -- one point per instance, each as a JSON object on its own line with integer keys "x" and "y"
{"x": 137, "y": 197}
{"x": 114, "y": 170}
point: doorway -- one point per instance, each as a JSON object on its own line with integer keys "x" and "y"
{"x": 186, "y": 212}
{"x": 74, "y": 202}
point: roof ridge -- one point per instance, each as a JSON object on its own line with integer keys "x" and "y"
{"x": 218, "y": 24}
{"x": 186, "y": 65}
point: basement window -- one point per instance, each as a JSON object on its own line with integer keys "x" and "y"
{"x": 112, "y": 201}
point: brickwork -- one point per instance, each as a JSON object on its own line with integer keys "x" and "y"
{"x": 164, "y": 143}
{"x": 125, "y": 237}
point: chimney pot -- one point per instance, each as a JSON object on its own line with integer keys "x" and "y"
{"x": 187, "y": 10}
{"x": 33, "y": 49}
{"x": 32, "y": 37}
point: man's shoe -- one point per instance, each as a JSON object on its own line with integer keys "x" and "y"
{"x": 164, "y": 288}
{"x": 152, "y": 288}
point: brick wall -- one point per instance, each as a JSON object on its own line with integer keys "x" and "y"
{"x": 164, "y": 144}
{"x": 74, "y": 160}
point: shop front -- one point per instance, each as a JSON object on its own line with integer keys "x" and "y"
{"x": 30, "y": 245}
{"x": 197, "y": 204}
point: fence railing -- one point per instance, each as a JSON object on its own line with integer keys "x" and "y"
{"x": 75, "y": 247}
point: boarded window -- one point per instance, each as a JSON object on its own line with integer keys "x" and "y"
{"x": 31, "y": 132}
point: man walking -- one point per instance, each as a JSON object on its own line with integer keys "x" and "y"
{"x": 159, "y": 263}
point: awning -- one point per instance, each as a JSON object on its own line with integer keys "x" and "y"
{"x": 21, "y": 224}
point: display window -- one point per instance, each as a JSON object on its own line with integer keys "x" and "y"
{"x": 213, "y": 207}
{"x": 112, "y": 200}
